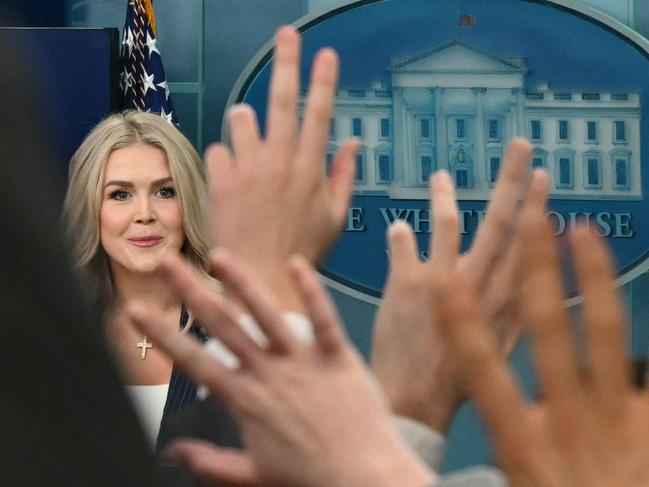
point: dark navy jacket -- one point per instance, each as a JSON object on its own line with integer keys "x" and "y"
{"x": 185, "y": 416}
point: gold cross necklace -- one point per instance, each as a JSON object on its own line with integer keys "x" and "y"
{"x": 146, "y": 345}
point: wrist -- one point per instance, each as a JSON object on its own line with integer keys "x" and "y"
{"x": 440, "y": 414}
{"x": 278, "y": 279}
{"x": 435, "y": 409}
{"x": 402, "y": 471}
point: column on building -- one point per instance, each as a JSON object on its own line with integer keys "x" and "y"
{"x": 514, "y": 123}
{"x": 409, "y": 147}
{"x": 399, "y": 140}
{"x": 441, "y": 138}
{"x": 520, "y": 108}
{"x": 480, "y": 163}
{"x": 510, "y": 122}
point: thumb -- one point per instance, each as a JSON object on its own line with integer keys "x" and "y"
{"x": 214, "y": 464}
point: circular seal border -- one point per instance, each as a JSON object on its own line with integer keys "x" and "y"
{"x": 265, "y": 54}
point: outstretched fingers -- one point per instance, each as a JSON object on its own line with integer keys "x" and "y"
{"x": 284, "y": 87}
{"x": 317, "y": 118}
{"x": 497, "y": 225}
{"x": 209, "y": 308}
{"x": 329, "y": 335}
{"x": 341, "y": 180}
{"x": 504, "y": 281}
{"x": 536, "y": 197}
{"x": 244, "y": 135}
{"x": 257, "y": 299}
{"x": 544, "y": 309}
{"x": 604, "y": 322}
{"x": 477, "y": 357}
{"x": 446, "y": 226}
{"x": 221, "y": 174}
{"x": 404, "y": 254}
{"x": 186, "y": 352}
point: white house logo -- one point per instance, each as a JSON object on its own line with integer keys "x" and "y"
{"x": 450, "y": 94}
{"x": 455, "y": 107}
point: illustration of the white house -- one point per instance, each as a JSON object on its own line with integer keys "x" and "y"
{"x": 456, "y": 106}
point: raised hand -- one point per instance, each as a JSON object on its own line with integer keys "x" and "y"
{"x": 409, "y": 356}
{"x": 311, "y": 414}
{"x": 270, "y": 197}
{"x": 590, "y": 429}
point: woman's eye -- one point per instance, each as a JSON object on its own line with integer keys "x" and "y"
{"x": 119, "y": 195}
{"x": 166, "y": 193}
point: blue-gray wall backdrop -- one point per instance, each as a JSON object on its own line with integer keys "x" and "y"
{"x": 206, "y": 44}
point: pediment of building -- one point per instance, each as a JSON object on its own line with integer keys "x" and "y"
{"x": 457, "y": 57}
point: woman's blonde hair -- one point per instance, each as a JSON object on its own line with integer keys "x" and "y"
{"x": 82, "y": 206}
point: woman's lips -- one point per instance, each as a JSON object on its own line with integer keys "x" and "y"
{"x": 145, "y": 241}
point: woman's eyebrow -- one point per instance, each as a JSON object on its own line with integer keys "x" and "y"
{"x": 117, "y": 182}
{"x": 161, "y": 181}
{"x": 129, "y": 184}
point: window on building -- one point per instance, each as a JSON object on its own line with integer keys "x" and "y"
{"x": 385, "y": 169}
{"x": 460, "y": 128}
{"x": 537, "y": 162}
{"x": 592, "y": 172}
{"x": 619, "y": 131}
{"x": 461, "y": 178}
{"x": 332, "y": 129}
{"x": 535, "y": 130}
{"x": 360, "y": 167}
{"x": 563, "y": 130}
{"x": 621, "y": 174}
{"x": 494, "y": 168}
{"x": 357, "y": 127}
{"x": 426, "y": 168}
{"x": 493, "y": 129}
{"x": 591, "y": 131}
{"x": 385, "y": 127}
{"x": 565, "y": 172}
{"x": 424, "y": 128}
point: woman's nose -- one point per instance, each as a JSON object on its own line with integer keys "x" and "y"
{"x": 145, "y": 212}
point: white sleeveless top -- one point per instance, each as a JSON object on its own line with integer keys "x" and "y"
{"x": 149, "y": 402}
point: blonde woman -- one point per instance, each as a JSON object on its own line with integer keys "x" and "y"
{"x": 135, "y": 200}
{"x": 136, "y": 196}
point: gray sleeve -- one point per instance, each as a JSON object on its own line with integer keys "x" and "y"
{"x": 429, "y": 445}
{"x": 481, "y": 476}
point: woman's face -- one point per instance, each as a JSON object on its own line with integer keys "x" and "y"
{"x": 141, "y": 222}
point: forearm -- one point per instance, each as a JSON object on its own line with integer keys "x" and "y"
{"x": 278, "y": 279}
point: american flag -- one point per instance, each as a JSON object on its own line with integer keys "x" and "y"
{"x": 142, "y": 79}
{"x": 466, "y": 20}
